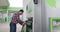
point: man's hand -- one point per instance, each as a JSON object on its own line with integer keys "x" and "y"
{"x": 24, "y": 24}
{"x": 22, "y": 27}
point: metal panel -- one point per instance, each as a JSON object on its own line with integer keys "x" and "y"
{"x": 43, "y": 16}
{"x": 37, "y": 17}
{"x": 40, "y": 17}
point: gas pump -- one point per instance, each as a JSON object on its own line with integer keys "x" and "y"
{"x": 28, "y": 26}
{"x": 55, "y": 24}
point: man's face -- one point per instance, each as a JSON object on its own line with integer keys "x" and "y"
{"x": 20, "y": 13}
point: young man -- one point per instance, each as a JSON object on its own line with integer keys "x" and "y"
{"x": 15, "y": 20}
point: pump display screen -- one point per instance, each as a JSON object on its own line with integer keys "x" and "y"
{"x": 56, "y": 26}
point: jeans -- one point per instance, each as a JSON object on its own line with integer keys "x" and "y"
{"x": 12, "y": 27}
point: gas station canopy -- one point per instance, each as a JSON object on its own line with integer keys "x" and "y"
{"x": 4, "y": 3}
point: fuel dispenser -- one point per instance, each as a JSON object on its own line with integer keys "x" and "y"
{"x": 28, "y": 26}
{"x": 55, "y": 24}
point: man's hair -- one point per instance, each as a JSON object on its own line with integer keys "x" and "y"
{"x": 21, "y": 10}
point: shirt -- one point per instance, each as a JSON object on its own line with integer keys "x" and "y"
{"x": 16, "y": 18}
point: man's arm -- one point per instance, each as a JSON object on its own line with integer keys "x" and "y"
{"x": 20, "y": 21}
